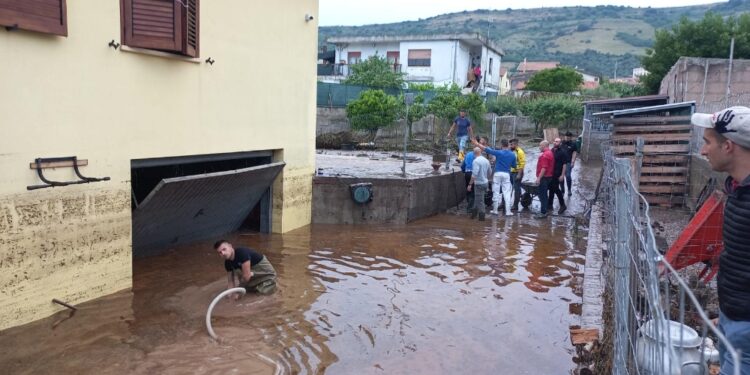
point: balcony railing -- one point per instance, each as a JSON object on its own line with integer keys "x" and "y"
{"x": 344, "y": 69}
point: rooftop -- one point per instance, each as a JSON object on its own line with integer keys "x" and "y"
{"x": 474, "y": 39}
{"x": 534, "y": 66}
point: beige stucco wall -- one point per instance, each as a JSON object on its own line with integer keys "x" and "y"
{"x": 77, "y": 96}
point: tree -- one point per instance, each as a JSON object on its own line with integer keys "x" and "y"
{"x": 709, "y": 37}
{"x": 561, "y": 79}
{"x": 448, "y": 101}
{"x": 504, "y": 105}
{"x": 551, "y": 111}
{"x": 376, "y": 71}
{"x": 373, "y": 109}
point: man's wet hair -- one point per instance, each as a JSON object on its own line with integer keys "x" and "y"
{"x": 504, "y": 142}
{"x": 514, "y": 140}
{"x": 219, "y": 243}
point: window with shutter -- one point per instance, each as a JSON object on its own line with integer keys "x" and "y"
{"x": 354, "y": 57}
{"x": 419, "y": 57}
{"x": 165, "y": 25}
{"x": 45, "y": 16}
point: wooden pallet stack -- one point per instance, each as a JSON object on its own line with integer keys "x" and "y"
{"x": 666, "y": 155}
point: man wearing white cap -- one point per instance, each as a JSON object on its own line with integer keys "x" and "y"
{"x": 727, "y": 147}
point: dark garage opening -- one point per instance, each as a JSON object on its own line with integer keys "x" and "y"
{"x": 177, "y": 200}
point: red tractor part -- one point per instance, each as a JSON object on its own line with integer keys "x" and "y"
{"x": 701, "y": 240}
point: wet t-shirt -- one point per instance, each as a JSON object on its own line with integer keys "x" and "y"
{"x": 242, "y": 255}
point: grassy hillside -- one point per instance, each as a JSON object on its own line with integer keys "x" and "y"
{"x": 591, "y": 38}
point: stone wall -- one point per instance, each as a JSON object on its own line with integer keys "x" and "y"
{"x": 395, "y": 201}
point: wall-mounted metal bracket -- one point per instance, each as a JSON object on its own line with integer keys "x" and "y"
{"x": 67, "y": 161}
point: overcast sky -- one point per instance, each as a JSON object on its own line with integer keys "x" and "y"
{"x": 363, "y": 12}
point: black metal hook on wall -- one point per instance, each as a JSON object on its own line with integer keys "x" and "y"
{"x": 114, "y": 44}
{"x": 209, "y": 60}
{"x": 68, "y": 161}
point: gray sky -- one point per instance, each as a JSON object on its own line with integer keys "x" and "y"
{"x": 362, "y": 12}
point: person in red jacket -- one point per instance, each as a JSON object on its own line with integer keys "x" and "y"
{"x": 544, "y": 169}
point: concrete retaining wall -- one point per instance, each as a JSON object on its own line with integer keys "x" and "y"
{"x": 395, "y": 201}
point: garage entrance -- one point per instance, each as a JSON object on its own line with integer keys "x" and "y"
{"x": 176, "y": 200}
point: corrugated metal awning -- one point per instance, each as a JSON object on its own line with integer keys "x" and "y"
{"x": 655, "y": 108}
{"x": 198, "y": 207}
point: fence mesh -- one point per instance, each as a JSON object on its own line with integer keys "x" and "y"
{"x": 656, "y": 319}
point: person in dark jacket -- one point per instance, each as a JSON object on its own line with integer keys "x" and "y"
{"x": 557, "y": 186}
{"x": 571, "y": 146}
{"x": 727, "y": 147}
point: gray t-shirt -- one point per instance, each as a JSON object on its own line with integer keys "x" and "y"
{"x": 480, "y": 169}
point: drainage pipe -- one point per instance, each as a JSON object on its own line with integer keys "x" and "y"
{"x": 211, "y": 308}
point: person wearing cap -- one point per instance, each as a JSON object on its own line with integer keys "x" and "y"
{"x": 571, "y": 146}
{"x": 463, "y": 132}
{"x": 726, "y": 145}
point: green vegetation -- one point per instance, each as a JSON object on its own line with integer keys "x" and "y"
{"x": 560, "y": 80}
{"x": 709, "y": 37}
{"x": 504, "y": 105}
{"x": 615, "y": 90}
{"x": 372, "y": 110}
{"x": 448, "y": 101}
{"x": 634, "y": 40}
{"x": 556, "y": 33}
{"x": 375, "y": 72}
{"x": 561, "y": 111}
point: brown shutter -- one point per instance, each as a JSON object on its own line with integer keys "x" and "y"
{"x": 153, "y": 24}
{"x": 191, "y": 28}
{"x": 46, "y": 16}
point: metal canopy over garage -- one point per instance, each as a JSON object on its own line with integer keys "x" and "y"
{"x": 191, "y": 208}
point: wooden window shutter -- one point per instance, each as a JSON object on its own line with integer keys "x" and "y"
{"x": 166, "y": 25}
{"x": 46, "y": 16}
{"x": 191, "y": 28}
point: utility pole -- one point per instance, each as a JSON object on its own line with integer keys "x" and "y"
{"x": 615, "y": 69}
{"x": 729, "y": 74}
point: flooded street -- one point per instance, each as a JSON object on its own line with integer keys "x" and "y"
{"x": 437, "y": 296}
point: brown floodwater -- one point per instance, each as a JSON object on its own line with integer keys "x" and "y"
{"x": 442, "y": 295}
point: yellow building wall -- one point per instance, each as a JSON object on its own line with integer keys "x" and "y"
{"x": 76, "y": 96}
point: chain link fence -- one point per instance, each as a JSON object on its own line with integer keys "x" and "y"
{"x": 655, "y": 317}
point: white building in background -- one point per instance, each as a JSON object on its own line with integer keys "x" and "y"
{"x": 639, "y": 72}
{"x": 439, "y": 59}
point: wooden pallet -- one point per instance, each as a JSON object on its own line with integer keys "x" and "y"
{"x": 666, "y": 155}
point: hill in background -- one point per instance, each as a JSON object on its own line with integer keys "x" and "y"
{"x": 591, "y": 38}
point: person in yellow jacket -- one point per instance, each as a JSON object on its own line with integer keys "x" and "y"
{"x": 516, "y": 174}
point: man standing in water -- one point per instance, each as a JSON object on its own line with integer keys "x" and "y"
{"x": 571, "y": 146}
{"x": 253, "y": 270}
{"x": 544, "y": 169}
{"x": 727, "y": 148}
{"x": 480, "y": 171}
{"x": 463, "y": 132}
{"x": 516, "y": 174}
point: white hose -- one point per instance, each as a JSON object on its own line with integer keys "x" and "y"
{"x": 211, "y": 308}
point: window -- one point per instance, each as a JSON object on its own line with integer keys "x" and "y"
{"x": 45, "y": 16}
{"x": 165, "y": 25}
{"x": 392, "y": 57}
{"x": 489, "y": 68}
{"x": 354, "y": 57}
{"x": 419, "y": 57}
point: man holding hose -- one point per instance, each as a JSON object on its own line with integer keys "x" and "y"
{"x": 252, "y": 269}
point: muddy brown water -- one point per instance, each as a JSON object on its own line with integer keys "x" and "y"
{"x": 443, "y": 295}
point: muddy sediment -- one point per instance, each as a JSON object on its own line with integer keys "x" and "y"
{"x": 440, "y": 295}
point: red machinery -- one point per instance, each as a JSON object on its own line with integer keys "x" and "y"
{"x": 701, "y": 239}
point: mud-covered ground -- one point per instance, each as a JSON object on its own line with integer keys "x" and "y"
{"x": 442, "y": 295}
